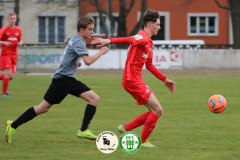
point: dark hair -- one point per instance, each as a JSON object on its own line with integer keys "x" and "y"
{"x": 84, "y": 21}
{"x": 150, "y": 16}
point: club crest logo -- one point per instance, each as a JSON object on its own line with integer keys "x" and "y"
{"x": 130, "y": 142}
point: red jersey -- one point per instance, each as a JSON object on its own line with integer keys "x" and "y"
{"x": 139, "y": 53}
{"x": 13, "y": 35}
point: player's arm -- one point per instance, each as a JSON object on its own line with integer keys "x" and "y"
{"x": 88, "y": 60}
{"x": 20, "y": 43}
{"x": 66, "y": 41}
{"x": 2, "y": 30}
{"x": 154, "y": 70}
{"x": 5, "y": 43}
{"x": 169, "y": 83}
{"x": 101, "y": 42}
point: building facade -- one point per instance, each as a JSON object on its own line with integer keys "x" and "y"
{"x": 180, "y": 19}
{"x": 50, "y": 21}
{"x": 43, "y": 21}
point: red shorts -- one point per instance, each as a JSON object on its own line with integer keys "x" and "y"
{"x": 138, "y": 89}
{"x": 8, "y": 62}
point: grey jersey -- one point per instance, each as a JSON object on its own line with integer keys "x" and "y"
{"x": 75, "y": 49}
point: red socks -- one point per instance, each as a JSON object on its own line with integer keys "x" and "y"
{"x": 148, "y": 119}
{"x": 5, "y": 85}
{"x": 2, "y": 76}
{"x": 138, "y": 121}
{"x": 149, "y": 126}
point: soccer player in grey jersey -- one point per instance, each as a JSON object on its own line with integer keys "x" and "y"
{"x": 64, "y": 82}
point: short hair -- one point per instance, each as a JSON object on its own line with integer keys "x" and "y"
{"x": 11, "y": 14}
{"x": 150, "y": 16}
{"x": 84, "y": 21}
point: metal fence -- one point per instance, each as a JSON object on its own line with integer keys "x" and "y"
{"x": 158, "y": 46}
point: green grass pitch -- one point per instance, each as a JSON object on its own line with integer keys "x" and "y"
{"x": 186, "y": 131}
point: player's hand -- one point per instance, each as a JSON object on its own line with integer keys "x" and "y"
{"x": 100, "y": 42}
{"x": 20, "y": 44}
{"x": 104, "y": 50}
{"x": 170, "y": 84}
{"x": 80, "y": 64}
{"x": 7, "y": 43}
{"x": 66, "y": 41}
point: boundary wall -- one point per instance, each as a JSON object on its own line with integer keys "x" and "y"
{"x": 50, "y": 58}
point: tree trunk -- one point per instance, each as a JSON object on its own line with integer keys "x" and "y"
{"x": 138, "y": 26}
{"x": 235, "y": 15}
{"x": 16, "y": 10}
{"x": 122, "y": 29}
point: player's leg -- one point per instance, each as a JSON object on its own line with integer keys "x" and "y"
{"x": 10, "y": 70}
{"x": 156, "y": 111}
{"x": 136, "y": 122}
{"x": 153, "y": 105}
{"x": 2, "y": 76}
{"x": 56, "y": 92}
{"x": 82, "y": 91}
{"x": 5, "y": 82}
{"x": 1, "y": 68}
{"x": 28, "y": 115}
{"x": 32, "y": 112}
{"x": 92, "y": 99}
{"x": 140, "y": 92}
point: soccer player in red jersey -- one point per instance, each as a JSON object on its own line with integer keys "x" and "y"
{"x": 140, "y": 53}
{"x": 10, "y": 38}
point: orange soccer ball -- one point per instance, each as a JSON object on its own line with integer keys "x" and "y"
{"x": 217, "y": 103}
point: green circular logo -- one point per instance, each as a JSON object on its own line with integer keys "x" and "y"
{"x": 130, "y": 142}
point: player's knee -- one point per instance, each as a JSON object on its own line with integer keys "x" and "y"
{"x": 94, "y": 100}
{"x": 159, "y": 111}
{"x": 40, "y": 109}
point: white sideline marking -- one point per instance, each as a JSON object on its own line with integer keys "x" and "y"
{"x": 38, "y": 74}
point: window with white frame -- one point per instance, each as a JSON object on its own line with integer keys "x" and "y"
{"x": 99, "y": 29}
{"x": 51, "y": 0}
{"x": 203, "y": 24}
{"x": 51, "y": 29}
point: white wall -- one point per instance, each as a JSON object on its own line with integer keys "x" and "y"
{"x": 211, "y": 59}
{"x": 50, "y": 58}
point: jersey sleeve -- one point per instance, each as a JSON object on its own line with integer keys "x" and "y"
{"x": 154, "y": 70}
{"x": 121, "y": 40}
{"x": 140, "y": 39}
{"x": 134, "y": 40}
{"x": 2, "y": 30}
{"x": 80, "y": 48}
{"x": 20, "y": 34}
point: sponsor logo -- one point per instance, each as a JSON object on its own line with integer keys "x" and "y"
{"x": 137, "y": 37}
{"x": 12, "y": 39}
{"x": 175, "y": 56}
{"x": 107, "y": 142}
{"x": 145, "y": 55}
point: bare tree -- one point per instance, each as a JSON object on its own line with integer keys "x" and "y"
{"x": 234, "y": 6}
{"x": 16, "y": 10}
{"x": 121, "y": 19}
